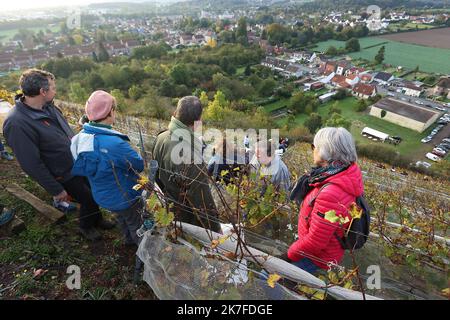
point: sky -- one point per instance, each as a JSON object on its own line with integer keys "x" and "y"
{"x": 31, "y": 4}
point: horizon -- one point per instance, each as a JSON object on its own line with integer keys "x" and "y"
{"x": 50, "y": 4}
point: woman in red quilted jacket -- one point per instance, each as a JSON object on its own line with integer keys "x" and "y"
{"x": 333, "y": 184}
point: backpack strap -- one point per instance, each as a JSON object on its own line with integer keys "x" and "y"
{"x": 340, "y": 240}
{"x": 311, "y": 202}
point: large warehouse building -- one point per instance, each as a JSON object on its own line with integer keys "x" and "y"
{"x": 404, "y": 114}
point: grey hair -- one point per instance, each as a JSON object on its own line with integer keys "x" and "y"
{"x": 335, "y": 144}
{"x": 33, "y": 80}
{"x": 189, "y": 110}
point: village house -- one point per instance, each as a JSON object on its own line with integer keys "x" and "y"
{"x": 352, "y": 79}
{"x": 6, "y": 61}
{"x": 313, "y": 86}
{"x": 267, "y": 47}
{"x": 275, "y": 63}
{"x": 342, "y": 66}
{"x": 383, "y": 78}
{"x": 340, "y": 82}
{"x": 186, "y": 39}
{"x": 404, "y": 114}
{"x": 87, "y": 51}
{"x": 327, "y": 96}
{"x": 328, "y": 67}
{"x": 198, "y": 39}
{"x": 286, "y": 68}
{"x": 70, "y": 51}
{"x": 442, "y": 87}
{"x": 117, "y": 48}
{"x": 412, "y": 90}
{"x": 23, "y": 60}
{"x": 293, "y": 71}
{"x": 354, "y": 70}
{"x": 364, "y": 91}
{"x": 365, "y": 77}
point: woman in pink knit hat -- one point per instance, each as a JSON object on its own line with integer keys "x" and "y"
{"x": 111, "y": 165}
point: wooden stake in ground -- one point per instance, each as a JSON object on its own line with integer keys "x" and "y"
{"x": 49, "y": 212}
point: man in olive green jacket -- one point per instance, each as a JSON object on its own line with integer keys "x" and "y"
{"x": 182, "y": 175}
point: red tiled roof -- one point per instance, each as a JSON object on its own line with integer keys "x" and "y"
{"x": 413, "y": 87}
{"x": 338, "y": 78}
{"x": 364, "y": 89}
{"x": 344, "y": 84}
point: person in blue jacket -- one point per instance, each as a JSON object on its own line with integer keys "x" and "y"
{"x": 111, "y": 165}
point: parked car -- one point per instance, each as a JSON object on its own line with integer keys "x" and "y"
{"x": 440, "y": 150}
{"x": 445, "y": 148}
{"x": 423, "y": 164}
{"x": 418, "y": 102}
{"x": 432, "y": 157}
{"x": 425, "y": 140}
{"x": 438, "y": 153}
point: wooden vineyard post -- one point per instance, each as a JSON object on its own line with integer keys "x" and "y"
{"x": 49, "y": 212}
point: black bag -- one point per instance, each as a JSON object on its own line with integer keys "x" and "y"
{"x": 355, "y": 237}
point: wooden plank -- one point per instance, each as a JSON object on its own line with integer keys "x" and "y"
{"x": 15, "y": 226}
{"x": 49, "y": 212}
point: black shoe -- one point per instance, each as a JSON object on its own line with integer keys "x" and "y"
{"x": 91, "y": 234}
{"x": 105, "y": 224}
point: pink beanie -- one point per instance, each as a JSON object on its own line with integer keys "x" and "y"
{"x": 99, "y": 105}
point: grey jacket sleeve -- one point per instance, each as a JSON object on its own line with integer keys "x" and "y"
{"x": 27, "y": 153}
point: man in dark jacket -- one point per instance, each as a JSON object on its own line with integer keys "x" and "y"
{"x": 40, "y": 137}
{"x": 182, "y": 175}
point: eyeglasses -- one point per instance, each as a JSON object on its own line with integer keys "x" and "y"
{"x": 313, "y": 146}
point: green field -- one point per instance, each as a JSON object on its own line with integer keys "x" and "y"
{"x": 409, "y": 26}
{"x": 276, "y": 105}
{"x": 411, "y": 139}
{"x": 6, "y": 35}
{"x": 409, "y": 56}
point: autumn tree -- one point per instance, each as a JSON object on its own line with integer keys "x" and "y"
{"x": 379, "y": 58}
{"x": 314, "y": 122}
{"x": 241, "y": 32}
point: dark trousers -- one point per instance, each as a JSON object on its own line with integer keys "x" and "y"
{"x": 79, "y": 189}
{"x": 130, "y": 221}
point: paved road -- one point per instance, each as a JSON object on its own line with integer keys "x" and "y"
{"x": 383, "y": 90}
